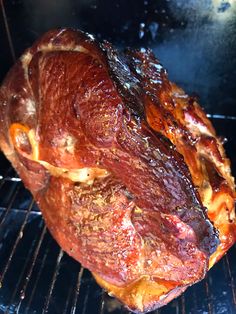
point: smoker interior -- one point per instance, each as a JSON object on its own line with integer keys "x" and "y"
{"x": 35, "y": 275}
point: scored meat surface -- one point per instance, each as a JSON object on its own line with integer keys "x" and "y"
{"x": 127, "y": 170}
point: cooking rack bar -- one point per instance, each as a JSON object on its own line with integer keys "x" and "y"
{"x": 220, "y": 116}
{"x": 9, "y": 38}
{"x": 20, "y": 234}
{"x": 102, "y": 304}
{"x": 232, "y": 284}
{"x": 9, "y": 207}
{"x": 209, "y": 304}
{"x": 28, "y": 276}
{"x": 4, "y": 177}
{"x": 66, "y": 308}
{"x": 14, "y": 179}
{"x": 194, "y": 302}
{"x": 22, "y": 292}
{"x": 182, "y": 298}
{"x": 27, "y": 309}
{"x": 77, "y": 290}
{"x": 54, "y": 278}
{"x": 86, "y": 298}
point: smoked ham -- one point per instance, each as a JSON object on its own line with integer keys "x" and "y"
{"x": 126, "y": 168}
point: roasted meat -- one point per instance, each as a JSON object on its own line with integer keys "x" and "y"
{"x": 126, "y": 168}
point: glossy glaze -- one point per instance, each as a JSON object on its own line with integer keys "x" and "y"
{"x": 144, "y": 225}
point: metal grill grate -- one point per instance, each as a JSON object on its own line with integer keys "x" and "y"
{"x": 37, "y": 277}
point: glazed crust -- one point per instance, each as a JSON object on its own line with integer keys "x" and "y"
{"x": 126, "y": 167}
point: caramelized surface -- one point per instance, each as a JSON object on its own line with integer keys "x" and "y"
{"x": 157, "y": 174}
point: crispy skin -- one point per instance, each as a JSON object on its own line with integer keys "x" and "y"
{"x": 121, "y": 162}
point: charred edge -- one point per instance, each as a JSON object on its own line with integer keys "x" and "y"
{"x": 210, "y": 238}
{"x": 128, "y": 86}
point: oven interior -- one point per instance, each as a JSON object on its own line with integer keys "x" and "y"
{"x": 196, "y": 41}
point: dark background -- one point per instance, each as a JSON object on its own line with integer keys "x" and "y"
{"x": 196, "y": 41}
